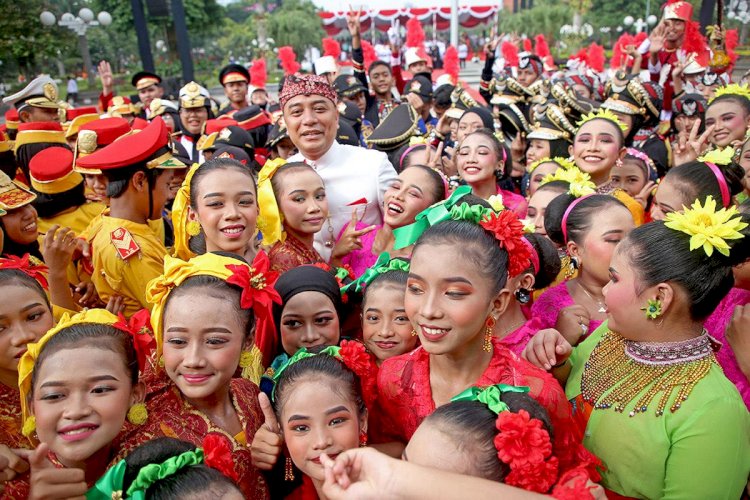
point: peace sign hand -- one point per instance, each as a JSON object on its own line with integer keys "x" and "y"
{"x": 690, "y": 148}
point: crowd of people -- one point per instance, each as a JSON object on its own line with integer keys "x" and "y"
{"x": 385, "y": 283}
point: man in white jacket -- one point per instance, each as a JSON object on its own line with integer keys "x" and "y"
{"x": 355, "y": 178}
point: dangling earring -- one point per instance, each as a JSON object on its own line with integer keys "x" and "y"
{"x": 193, "y": 228}
{"x": 523, "y": 296}
{"x": 138, "y": 414}
{"x": 618, "y": 163}
{"x": 574, "y": 263}
{"x": 331, "y": 240}
{"x": 488, "y": 326}
{"x": 362, "y": 439}
{"x": 288, "y": 470}
{"x": 652, "y": 309}
{"x": 29, "y": 426}
{"x": 413, "y": 332}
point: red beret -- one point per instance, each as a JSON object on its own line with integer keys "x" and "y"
{"x": 51, "y": 171}
{"x": 130, "y": 149}
{"x": 107, "y": 129}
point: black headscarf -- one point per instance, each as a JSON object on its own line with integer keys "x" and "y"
{"x": 484, "y": 114}
{"x": 305, "y": 279}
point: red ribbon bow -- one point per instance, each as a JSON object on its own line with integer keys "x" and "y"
{"x": 217, "y": 454}
{"x": 257, "y": 284}
{"x": 139, "y": 329}
{"x": 23, "y": 264}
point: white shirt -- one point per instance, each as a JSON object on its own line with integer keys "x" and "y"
{"x": 350, "y": 173}
{"x": 188, "y": 144}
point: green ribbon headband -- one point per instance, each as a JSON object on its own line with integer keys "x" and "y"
{"x": 439, "y": 212}
{"x": 383, "y": 265}
{"x": 109, "y": 486}
{"x": 491, "y": 396}
{"x": 302, "y": 353}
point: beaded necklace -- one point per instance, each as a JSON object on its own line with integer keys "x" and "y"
{"x": 619, "y": 369}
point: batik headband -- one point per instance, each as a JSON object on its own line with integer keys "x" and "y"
{"x": 134, "y": 328}
{"x": 383, "y": 265}
{"x": 269, "y": 215}
{"x": 215, "y": 453}
{"x": 709, "y": 229}
{"x": 354, "y": 356}
{"x": 180, "y": 207}
{"x": 298, "y": 84}
{"x": 256, "y": 282}
{"x": 720, "y": 157}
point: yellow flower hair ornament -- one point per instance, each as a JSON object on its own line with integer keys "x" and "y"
{"x": 708, "y": 228}
{"x": 579, "y": 181}
{"x": 564, "y": 163}
{"x": 269, "y": 216}
{"x": 718, "y": 156}
{"x": 180, "y": 208}
{"x": 33, "y": 350}
{"x": 731, "y": 89}
{"x": 496, "y": 202}
{"x": 605, "y": 114}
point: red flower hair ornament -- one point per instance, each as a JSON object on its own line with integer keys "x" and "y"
{"x": 508, "y": 231}
{"x": 257, "y": 284}
{"x": 24, "y": 264}
{"x": 139, "y": 329}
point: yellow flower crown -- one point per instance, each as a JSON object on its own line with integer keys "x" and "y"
{"x": 580, "y": 182}
{"x": 719, "y": 156}
{"x": 528, "y": 226}
{"x": 731, "y": 89}
{"x": 708, "y": 228}
{"x": 604, "y": 113}
{"x": 565, "y": 163}
{"x": 33, "y": 350}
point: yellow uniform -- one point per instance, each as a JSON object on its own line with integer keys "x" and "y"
{"x": 126, "y": 256}
{"x": 76, "y": 219}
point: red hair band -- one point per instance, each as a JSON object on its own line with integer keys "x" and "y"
{"x": 725, "y": 197}
{"x": 567, "y": 214}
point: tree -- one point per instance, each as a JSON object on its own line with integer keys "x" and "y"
{"x": 296, "y": 23}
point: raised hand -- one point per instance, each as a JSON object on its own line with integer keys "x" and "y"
{"x": 689, "y": 148}
{"x": 657, "y": 38}
{"x": 352, "y": 22}
{"x": 350, "y": 239}
{"x": 105, "y": 75}
{"x": 48, "y": 482}
{"x": 267, "y": 442}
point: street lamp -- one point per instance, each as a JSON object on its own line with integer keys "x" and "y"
{"x": 79, "y": 25}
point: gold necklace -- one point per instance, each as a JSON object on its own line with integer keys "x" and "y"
{"x": 618, "y": 370}
{"x": 602, "y": 307}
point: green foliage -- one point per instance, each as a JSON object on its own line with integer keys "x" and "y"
{"x": 296, "y": 23}
{"x": 544, "y": 17}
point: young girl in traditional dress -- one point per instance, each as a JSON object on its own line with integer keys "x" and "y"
{"x": 386, "y": 330}
{"x": 77, "y": 414}
{"x": 481, "y": 161}
{"x": 195, "y": 391}
{"x": 25, "y": 316}
{"x": 18, "y": 221}
{"x": 515, "y": 326}
{"x": 294, "y": 207}
{"x": 728, "y": 113}
{"x": 635, "y": 175}
{"x": 476, "y": 434}
{"x": 455, "y": 292}
{"x": 321, "y": 405}
{"x": 660, "y": 413}
{"x": 590, "y": 227}
{"x": 598, "y": 145}
{"x": 416, "y": 188}
{"x": 714, "y": 174}
{"x": 540, "y": 169}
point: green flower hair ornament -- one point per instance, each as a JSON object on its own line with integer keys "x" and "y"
{"x": 445, "y": 210}
{"x": 383, "y": 265}
{"x": 490, "y": 396}
{"x": 110, "y": 485}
